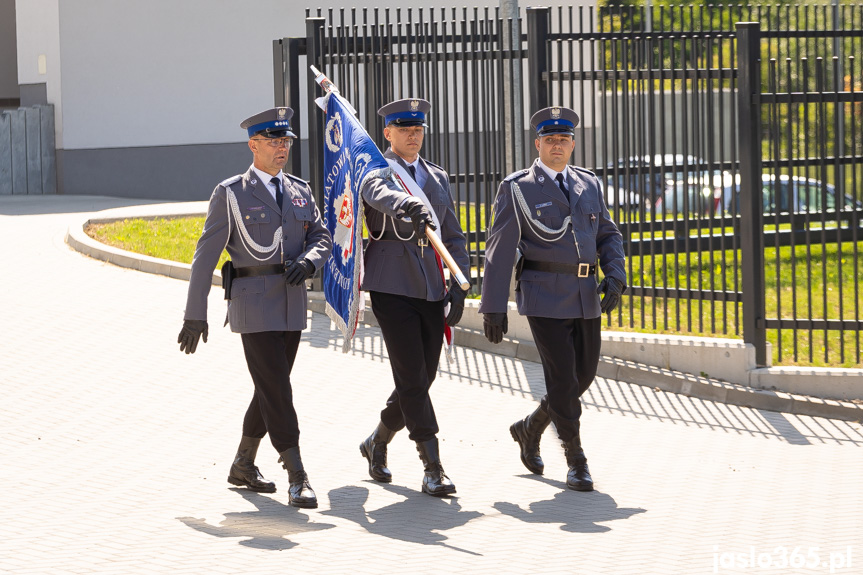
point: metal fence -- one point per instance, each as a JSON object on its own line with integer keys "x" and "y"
{"x": 27, "y": 156}
{"x": 801, "y": 191}
{"x": 662, "y": 125}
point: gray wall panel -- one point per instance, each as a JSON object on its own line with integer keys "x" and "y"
{"x": 48, "y": 153}
{"x": 19, "y": 153}
{"x": 5, "y": 154}
{"x": 34, "y": 94}
{"x": 164, "y": 172}
{"x": 33, "y": 145}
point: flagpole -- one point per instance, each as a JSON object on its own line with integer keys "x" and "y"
{"x": 457, "y": 275}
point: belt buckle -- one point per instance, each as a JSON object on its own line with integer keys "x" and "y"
{"x": 583, "y": 270}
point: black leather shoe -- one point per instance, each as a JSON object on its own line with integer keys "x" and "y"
{"x": 578, "y": 478}
{"x": 374, "y": 448}
{"x": 244, "y": 472}
{"x": 527, "y": 433}
{"x": 435, "y": 481}
{"x": 300, "y": 493}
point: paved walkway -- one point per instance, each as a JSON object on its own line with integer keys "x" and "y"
{"x": 115, "y": 448}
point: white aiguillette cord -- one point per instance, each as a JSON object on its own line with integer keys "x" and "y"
{"x": 244, "y": 234}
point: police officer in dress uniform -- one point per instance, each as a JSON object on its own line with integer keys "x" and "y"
{"x": 268, "y": 222}
{"x": 408, "y": 292}
{"x": 555, "y": 215}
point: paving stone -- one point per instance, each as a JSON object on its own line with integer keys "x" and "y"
{"x": 116, "y": 448}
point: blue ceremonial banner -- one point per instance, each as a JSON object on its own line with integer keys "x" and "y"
{"x": 350, "y": 157}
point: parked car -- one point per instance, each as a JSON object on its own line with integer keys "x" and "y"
{"x": 700, "y": 194}
{"x": 790, "y": 193}
{"x": 642, "y": 180}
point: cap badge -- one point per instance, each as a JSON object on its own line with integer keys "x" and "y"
{"x": 282, "y": 112}
{"x": 555, "y": 113}
{"x": 415, "y": 105}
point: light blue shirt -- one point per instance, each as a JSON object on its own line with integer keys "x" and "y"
{"x": 265, "y": 177}
{"x": 553, "y": 175}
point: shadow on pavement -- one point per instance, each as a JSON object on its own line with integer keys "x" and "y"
{"x": 266, "y": 528}
{"x": 419, "y": 518}
{"x": 520, "y": 378}
{"x": 576, "y": 512}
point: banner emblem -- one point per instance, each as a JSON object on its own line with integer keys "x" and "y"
{"x": 334, "y": 133}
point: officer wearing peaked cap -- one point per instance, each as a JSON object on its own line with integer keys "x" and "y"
{"x": 268, "y": 222}
{"x": 555, "y": 215}
{"x": 408, "y": 291}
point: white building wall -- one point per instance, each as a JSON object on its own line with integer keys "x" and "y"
{"x": 39, "y": 52}
{"x": 158, "y": 73}
{"x": 166, "y": 72}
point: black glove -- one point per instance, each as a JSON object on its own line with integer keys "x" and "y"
{"x": 298, "y": 271}
{"x": 613, "y": 288}
{"x": 419, "y": 215}
{"x": 495, "y": 325}
{"x": 455, "y": 298}
{"x": 192, "y": 331}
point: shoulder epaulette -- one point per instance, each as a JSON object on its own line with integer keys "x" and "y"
{"x": 432, "y": 164}
{"x": 516, "y": 175}
{"x": 296, "y": 179}
{"x": 231, "y": 180}
{"x": 585, "y": 170}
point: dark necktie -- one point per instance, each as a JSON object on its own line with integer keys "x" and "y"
{"x": 560, "y": 183}
{"x": 275, "y": 182}
{"x": 413, "y": 170}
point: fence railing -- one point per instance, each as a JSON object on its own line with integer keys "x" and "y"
{"x": 27, "y": 155}
{"x": 662, "y": 125}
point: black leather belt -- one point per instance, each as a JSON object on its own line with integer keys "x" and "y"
{"x": 275, "y": 269}
{"x": 580, "y": 270}
{"x": 391, "y": 236}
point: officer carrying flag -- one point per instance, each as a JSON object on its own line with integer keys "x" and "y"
{"x": 407, "y": 203}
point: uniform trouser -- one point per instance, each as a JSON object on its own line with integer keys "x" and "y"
{"x": 569, "y": 351}
{"x": 270, "y": 356}
{"x": 413, "y": 332}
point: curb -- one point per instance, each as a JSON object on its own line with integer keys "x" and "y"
{"x": 609, "y": 367}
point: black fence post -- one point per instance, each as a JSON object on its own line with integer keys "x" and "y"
{"x": 292, "y": 60}
{"x": 286, "y": 90}
{"x": 537, "y": 62}
{"x": 314, "y": 45}
{"x": 279, "y": 79}
{"x": 751, "y": 225}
